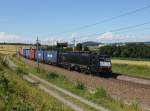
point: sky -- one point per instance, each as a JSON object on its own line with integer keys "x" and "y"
{"x": 24, "y": 20}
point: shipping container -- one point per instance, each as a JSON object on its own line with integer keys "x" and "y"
{"x": 39, "y": 55}
{"x": 26, "y": 53}
{"x": 21, "y": 52}
{"x": 32, "y": 54}
{"x": 51, "y": 57}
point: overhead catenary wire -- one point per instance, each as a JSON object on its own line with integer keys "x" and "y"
{"x": 148, "y": 28}
{"x": 105, "y": 20}
{"x": 116, "y": 30}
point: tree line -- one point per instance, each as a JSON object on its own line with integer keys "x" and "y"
{"x": 79, "y": 47}
{"x": 132, "y": 50}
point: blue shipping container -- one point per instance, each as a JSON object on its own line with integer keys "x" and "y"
{"x": 39, "y": 55}
{"x": 26, "y": 52}
{"x": 50, "y": 56}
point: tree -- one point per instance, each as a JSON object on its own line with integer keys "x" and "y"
{"x": 78, "y": 47}
{"x": 132, "y": 50}
{"x": 86, "y": 48}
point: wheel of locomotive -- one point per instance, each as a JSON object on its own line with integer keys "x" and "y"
{"x": 77, "y": 68}
{"x": 87, "y": 70}
{"x": 82, "y": 70}
{"x": 69, "y": 67}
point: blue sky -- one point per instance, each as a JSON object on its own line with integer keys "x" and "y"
{"x": 46, "y": 18}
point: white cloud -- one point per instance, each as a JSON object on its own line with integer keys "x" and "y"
{"x": 113, "y": 37}
{"x": 106, "y": 36}
{"x": 6, "y": 37}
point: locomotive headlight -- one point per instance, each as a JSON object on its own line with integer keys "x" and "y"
{"x": 107, "y": 64}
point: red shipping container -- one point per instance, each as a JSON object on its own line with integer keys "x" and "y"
{"x": 20, "y": 52}
{"x": 32, "y": 53}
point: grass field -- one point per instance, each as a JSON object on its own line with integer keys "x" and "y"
{"x": 18, "y": 95}
{"x": 132, "y": 67}
{"x": 99, "y": 96}
{"x": 11, "y": 49}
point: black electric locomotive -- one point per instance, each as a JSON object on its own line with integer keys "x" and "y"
{"x": 85, "y": 62}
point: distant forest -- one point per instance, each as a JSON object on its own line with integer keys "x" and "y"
{"x": 14, "y": 44}
{"x": 132, "y": 50}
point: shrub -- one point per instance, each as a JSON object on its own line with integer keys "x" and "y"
{"x": 3, "y": 81}
{"x": 80, "y": 85}
{"x": 1, "y": 67}
{"x": 20, "y": 71}
{"x": 52, "y": 75}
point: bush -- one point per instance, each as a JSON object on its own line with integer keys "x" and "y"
{"x": 80, "y": 85}
{"x": 3, "y": 81}
{"x": 100, "y": 93}
{"x": 52, "y": 75}
{"x": 1, "y": 67}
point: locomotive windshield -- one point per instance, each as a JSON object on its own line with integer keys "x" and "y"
{"x": 104, "y": 58}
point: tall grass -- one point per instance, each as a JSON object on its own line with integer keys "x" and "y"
{"x": 132, "y": 70}
{"x": 80, "y": 85}
{"x": 17, "y": 95}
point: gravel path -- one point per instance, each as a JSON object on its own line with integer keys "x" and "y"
{"x": 51, "y": 93}
{"x": 124, "y": 91}
{"x": 99, "y": 108}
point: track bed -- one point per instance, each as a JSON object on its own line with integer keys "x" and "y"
{"x": 119, "y": 89}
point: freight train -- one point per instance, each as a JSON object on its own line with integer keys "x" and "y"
{"x": 73, "y": 60}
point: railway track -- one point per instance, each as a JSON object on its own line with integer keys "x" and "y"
{"x": 128, "y": 82}
{"x": 123, "y": 78}
{"x": 140, "y": 81}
